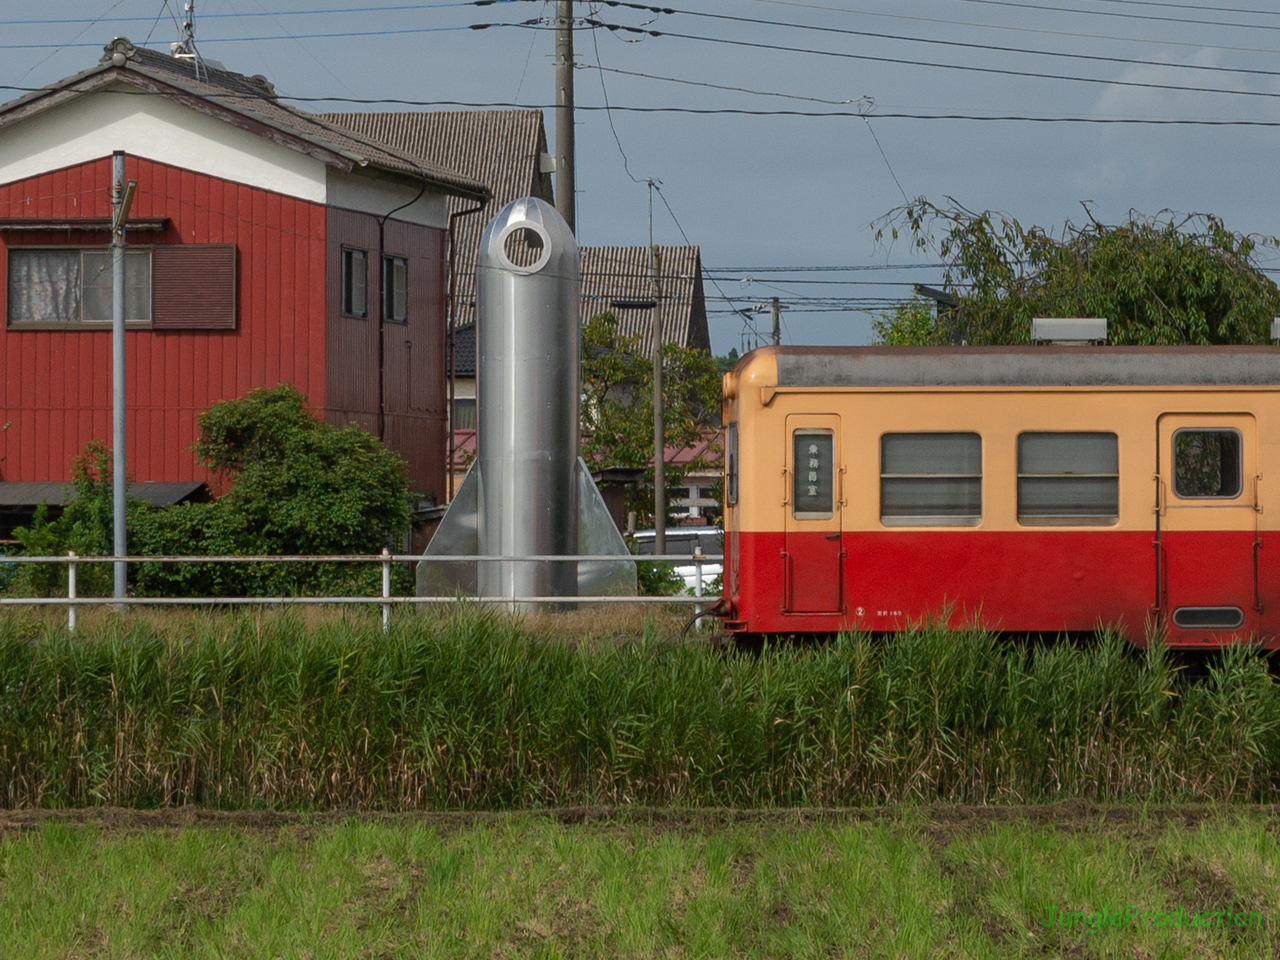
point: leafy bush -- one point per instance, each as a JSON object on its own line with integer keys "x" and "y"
{"x": 294, "y": 485}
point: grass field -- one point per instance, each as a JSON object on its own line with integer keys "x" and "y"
{"x": 467, "y": 710}
{"x": 933, "y": 881}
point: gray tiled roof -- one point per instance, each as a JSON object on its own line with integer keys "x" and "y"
{"x": 249, "y": 101}
{"x": 612, "y": 278}
{"x": 615, "y": 276}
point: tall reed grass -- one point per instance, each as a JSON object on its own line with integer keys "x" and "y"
{"x": 468, "y": 710}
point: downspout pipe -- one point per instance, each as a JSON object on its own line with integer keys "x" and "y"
{"x": 451, "y": 306}
{"x": 382, "y": 310}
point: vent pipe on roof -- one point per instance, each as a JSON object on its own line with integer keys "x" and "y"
{"x": 1069, "y": 331}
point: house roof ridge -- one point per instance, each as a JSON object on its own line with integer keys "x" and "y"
{"x": 255, "y": 98}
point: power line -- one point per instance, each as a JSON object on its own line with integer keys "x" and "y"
{"x": 1193, "y": 6}
{"x": 237, "y": 16}
{"x": 1015, "y": 29}
{"x": 713, "y": 111}
{"x": 287, "y": 36}
{"x": 1113, "y": 13}
{"x": 718, "y": 86}
{"x": 915, "y": 63}
{"x": 969, "y": 45}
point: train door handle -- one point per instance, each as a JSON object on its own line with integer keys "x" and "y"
{"x": 833, "y": 536}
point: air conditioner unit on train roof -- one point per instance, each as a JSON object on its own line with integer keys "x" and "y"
{"x": 1069, "y": 331}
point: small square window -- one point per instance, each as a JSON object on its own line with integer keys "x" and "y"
{"x": 1207, "y": 464}
{"x": 355, "y": 282}
{"x": 466, "y": 410}
{"x": 395, "y": 289}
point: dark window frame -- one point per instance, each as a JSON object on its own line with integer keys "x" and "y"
{"x": 812, "y": 479}
{"x": 135, "y": 250}
{"x": 389, "y": 313}
{"x": 1173, "y": 457}
{"x": 347, "y": 291}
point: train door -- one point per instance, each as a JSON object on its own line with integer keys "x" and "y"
{"x": 1207, "y": 529}
{"x": 813, "y": 553}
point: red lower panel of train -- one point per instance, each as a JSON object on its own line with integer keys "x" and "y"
{"x": 1205, "y": 588}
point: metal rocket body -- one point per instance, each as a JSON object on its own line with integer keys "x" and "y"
{"x": 528, "y": 492}
{"x": 528, "y": 342}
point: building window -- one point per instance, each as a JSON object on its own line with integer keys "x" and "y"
{"x": 930, "y": 479}
{"x": 1207, "y": 464}
{"x": 395, "y": 289}
{"x": 69, "y": 285}
{"x": 466, "y": 412}
{"x": 355, "y": 282}
{"x": 1068, "y": 478}
{"x": 813, "y": 482}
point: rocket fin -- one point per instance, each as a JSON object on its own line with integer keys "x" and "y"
{"x": 457, "y": 535}
{"x": 598, "y": 536}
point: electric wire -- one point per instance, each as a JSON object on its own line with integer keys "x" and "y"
{"x": 60, "y": 47}
{"x": 964, "y": 44}
{"x": 968, "y": 68}
{"x": 712, "y": 111}
{"x": 1115, "y": 13}
{"x": 1074, "y": 34}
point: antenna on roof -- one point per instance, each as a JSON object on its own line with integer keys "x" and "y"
{"x": 185, "y": 49}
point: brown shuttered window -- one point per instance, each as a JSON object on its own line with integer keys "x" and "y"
{"x": 193, "y": 286}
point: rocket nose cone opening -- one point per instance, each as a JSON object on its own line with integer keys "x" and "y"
{"x": 528, "y": 237}
{"x": 523, "y": 247}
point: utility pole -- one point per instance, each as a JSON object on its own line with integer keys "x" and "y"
{"x": 659, "y": 427}
{"x": 121, "y": 200}
{"x": 776, "y": 309}
{"x": 566, "y": 204}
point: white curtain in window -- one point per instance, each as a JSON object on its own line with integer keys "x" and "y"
{"x": 44, "y": 286}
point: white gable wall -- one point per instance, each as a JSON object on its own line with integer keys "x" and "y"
{"x": 96, "y": 124}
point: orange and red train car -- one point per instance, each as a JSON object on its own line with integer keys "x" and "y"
{"x": 1030, "y": 489}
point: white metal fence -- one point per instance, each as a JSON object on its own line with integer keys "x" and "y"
{"x": 386, "y": 559}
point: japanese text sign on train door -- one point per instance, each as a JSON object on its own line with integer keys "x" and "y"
{"x": 813, "y": 554}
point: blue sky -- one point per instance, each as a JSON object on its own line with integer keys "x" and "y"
{"x": 763, "y": 192}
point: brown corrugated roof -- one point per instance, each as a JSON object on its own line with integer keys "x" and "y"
{"x": 613, "y": 277}
{"x": 502, "y": 148}
{"x": 249, "y": 101}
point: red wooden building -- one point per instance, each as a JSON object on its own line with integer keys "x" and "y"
{"x": 266, "y": 246}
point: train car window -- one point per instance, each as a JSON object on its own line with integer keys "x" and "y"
{"x": 731, "y": 463}
{"x": 1068, "y": 478}
{"x": 813, "y": 475}
{"x": 930, "y": 479}
{"x": 1206, "y": 464}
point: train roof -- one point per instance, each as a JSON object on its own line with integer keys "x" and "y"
{"x": 1022, "y": 366}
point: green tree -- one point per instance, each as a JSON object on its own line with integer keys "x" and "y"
{"x": 292, "y": 484}
{"x": 1164, "y": 279}
{"x": 617, "y": 406}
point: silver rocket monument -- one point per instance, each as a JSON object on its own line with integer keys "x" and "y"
{"x": 528, "y": 493}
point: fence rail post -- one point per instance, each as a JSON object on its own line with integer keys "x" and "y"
{"x": 697, "y": 583}
{"x": 386, "y": 589}
{"x": 71, "y": 591}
